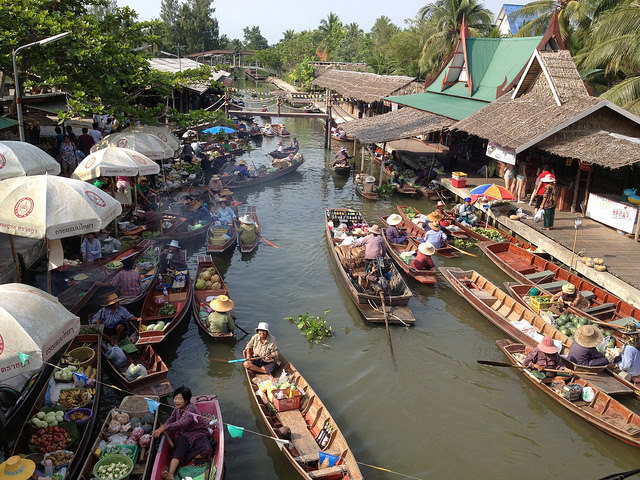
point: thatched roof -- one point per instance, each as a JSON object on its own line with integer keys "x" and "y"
{"x": 404, "y": 123}
{"x": 367, "y": 87}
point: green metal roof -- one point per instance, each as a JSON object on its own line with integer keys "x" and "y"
{"x": 448, "y": 106}
{"x": 7, "y": 123}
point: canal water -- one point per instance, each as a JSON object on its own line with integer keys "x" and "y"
{"x": 440, "y": 415}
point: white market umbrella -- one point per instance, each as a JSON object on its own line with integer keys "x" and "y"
{"x": 160, "y": 132}
{"x": 150, "y": 144}
{"x": 18, "y": 159}
{"x": 113, "y": 161}
{"x": 50, "y": 207}
{"x": 32, "y": 323}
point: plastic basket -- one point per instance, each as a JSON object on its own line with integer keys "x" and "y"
{"x": 286, "y": 403}
{"x": 133, "y": 452}
{"x": 83, "y": 356}
{"x": 111, "y": 459}
{"x": 542, "y": 302}
{"x": 87, "y": 411}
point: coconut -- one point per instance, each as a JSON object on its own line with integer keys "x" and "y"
{"x": 598, "y": 261}
{"x": 601, "y": 268}
{"x": 206, "y": 275}
{"x": 215, "y": 278}
{"x": 209, "y": 284}
{"x": 216, "y": 286}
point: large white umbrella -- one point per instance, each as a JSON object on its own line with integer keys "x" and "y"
{"x": 50, "y": 207}
{"x": 160, "y": 132}
{"x": 32, "y": 323}
{"x": 112, "y": 161}
{"x": 18, "y": 159}
{"x": 150, "y": 144}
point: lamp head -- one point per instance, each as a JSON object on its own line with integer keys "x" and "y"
{"x": 44, "y": 41}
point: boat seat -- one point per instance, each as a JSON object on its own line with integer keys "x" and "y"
{"x": 484, "y": 296}
{"x": 551, "y": 286}
{"x": 327, "y": 472}
{"x": 600, "y": 308}
{"x": 539, "y": 276}
{"x": 301, "y": 437}
{"x": 588, "y": 294}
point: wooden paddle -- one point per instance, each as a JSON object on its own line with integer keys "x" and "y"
{"x": 522, "y": 367}
{"x": 386, "y": 324}
{"x": 274, "y": 246}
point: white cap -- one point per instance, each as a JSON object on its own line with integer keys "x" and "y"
{"x": 263, "y": 326}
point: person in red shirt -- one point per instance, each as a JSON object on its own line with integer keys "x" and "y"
{"x": 423, "y": 258}
{"x": 85, "y": 142}
{"x": 538, "y": 189}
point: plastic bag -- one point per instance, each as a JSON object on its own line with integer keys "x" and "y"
{"x": 117, "y": 356}
{"x": 135, "y": 371}
{"x": 538, "y": 216}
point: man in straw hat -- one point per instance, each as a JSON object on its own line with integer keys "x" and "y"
{"x": 261, "y": 353}
{"x": 144, "y": 192}
{"x": 545, "y": 355}
{"x": 435, "y": 236}
{"x": 570, "y": 297}
{"x": 549, "y": 200}
{"x": 629, "y": 363}
{"x": 248, "y": 230}
{"x": 241, "y": 170}
{"x": 373, "y": 243}
{"x": 423, "y": 259}
{"x": 17, "y": 468}
{"x": 115, "y": 319}
{"x": 221, "y": 320}
{"x": 392, "y": 232}
{"x": 215, "y": 186}
{"x": 583, "y": 350}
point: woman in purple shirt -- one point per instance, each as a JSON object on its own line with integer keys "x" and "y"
{"x": 392, "y": 232}
{"x": 373, "y": 244}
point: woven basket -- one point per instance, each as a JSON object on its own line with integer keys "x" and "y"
{"x": 83, "y": 356}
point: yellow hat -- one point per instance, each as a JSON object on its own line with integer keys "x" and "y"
{"x": 17, "y": 468}
{"x": 111, "y": 299}
{"x": 226, "y": 191}
{"x": 222, "y": 303}
{"x": 242, "y": 162}
{"x": 142, "y": 179}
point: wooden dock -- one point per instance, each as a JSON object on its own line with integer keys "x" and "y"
{"x": 594, "y": 240}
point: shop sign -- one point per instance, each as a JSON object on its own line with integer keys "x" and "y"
{"x": 614, "y": 214}
{"x": 502, "y": 154}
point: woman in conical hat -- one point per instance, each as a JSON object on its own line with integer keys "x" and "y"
{"x": 220, "y": 320}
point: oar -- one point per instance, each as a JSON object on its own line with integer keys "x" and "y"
{"x": 274, "y": 246}
{"x": 462, "y": 251}
{"x": 386, "y": 325}
{"x": 621, "y": 475}
{"x": 242, "y": 329}
{"x": 522, "y": 367}
{"x": 607, "y": 325}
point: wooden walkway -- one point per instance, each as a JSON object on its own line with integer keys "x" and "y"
{"x": 621, "y": 254}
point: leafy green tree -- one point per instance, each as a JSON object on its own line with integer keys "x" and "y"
{"x": 302, "y": 74}
{"x": 253, "y": 39}
{"x": 169, "y": 16}
{"x": 443, "y": 22}
{"x": 331, "y": 33}
{"x": 196, "y": 26}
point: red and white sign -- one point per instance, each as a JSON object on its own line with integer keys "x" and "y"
{"x": 23, "y": 207}
{"x": 1, "y": 344}
{"x": 90, "y": 162}
{"x": 95, "y": 198}
{"x": 3, "y": 161}
{"x": 162, "y": 137}
{"x": 122, "y": 142}
{"x": 139, "y": 159}
{"x": 620, "y": 216}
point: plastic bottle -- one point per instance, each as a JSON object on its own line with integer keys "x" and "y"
{"x": 48, "y": 468}
{"x": 292, "y": 389}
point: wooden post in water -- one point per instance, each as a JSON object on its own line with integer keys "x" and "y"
{"x": 384, "y": 149}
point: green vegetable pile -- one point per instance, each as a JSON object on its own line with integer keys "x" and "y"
{"x": 386, "y": 190}
{"x": 314, "y": 328}
{"x": 463, "y": 244}
{"x": 167, "y": 309}
{"x": 149, "y": 234}
{"x": 410, "y": 212}
{"x": 189, "y": 168}
{"x": 568, "y": 323}
{"x": 490, "y": 233}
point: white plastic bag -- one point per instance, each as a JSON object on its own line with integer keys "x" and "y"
{"x": 116, "y": 356}
{"x": 135, "y": 371}
{"x": 538, "y": 216}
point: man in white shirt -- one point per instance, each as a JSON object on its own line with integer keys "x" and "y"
{"x": 95, "y": 133}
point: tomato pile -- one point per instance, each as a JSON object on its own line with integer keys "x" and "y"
{"x": 50, "y": 439}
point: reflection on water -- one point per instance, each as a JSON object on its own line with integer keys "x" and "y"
{"x": 441, "y": 415}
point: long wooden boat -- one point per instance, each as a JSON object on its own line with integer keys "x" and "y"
{"x": 528, "y": 268}
{"x": 278, "y": 131}
{"x": 414, "y": 232}
{"x": 284, "y": 153}
{"x": 250, "y": 247}
{"x": 200, "y": 302}
{"x": 179, "y": 231}
{"x": 603, "y": 412}
{"x": 309, "y": 424}
{"x": 214, "y": 244}
{"x": 341, "y": 170}
{"x": 179, "y": 298}
{"x": 367, "y": 300}
{"x": 267, "y": 177}
{"x": 83, "y": 434}
{"x": 395, "y": 249}
{"x": 147, "y": 277}
{"x": 135, "y": 407}
{"x": 209, "y": 409}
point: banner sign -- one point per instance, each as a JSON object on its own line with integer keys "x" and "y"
{"x": 620, "y": 216}
{"x": 502, "y": 154}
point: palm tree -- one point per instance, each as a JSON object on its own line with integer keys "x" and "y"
{"x": 443, "y": 22}
{"x": 330, "y": 30}
{"x": 613, "y": 46}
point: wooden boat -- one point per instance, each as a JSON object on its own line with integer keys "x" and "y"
{"x": 178, "y": 297}
{"x": 134, "y": 406}
{"x": 200, "y": 302}
{"x": 147, "y": 277}
{"x": 308, "y": 423}
{"x": 366, "y": 195}
{"x": 354, "y": 278}
{"x": 284, "y": 153}
{"x": 179, "y": 231}
{"x": 209, "y": 408}
{"x": 278, "y": 131}
{"x": 603, "y": 412}
{"x": 414, "y": 232}
{"x": 248, "y": 248}
{"x": 499, "y": 308}
{"x": 341, "y": 170}
{"x": 267, "y": 177}
{"x": 84, "y": 433}
{"x": 528, "y": 268}
{"x": 217, "y": 245}
{"x": 395, "y": 249}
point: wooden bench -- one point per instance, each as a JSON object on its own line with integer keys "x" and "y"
{"x": 483, "y": 296}
{"x": 589, "y": 295}
{"x": 539, "y": 276}
{"x": 552, "y": 286}
{"x": 602, "y": 308}
{"x": 301, "y": 437}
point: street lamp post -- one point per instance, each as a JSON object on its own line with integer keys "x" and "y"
{"x": 15, "y": 77}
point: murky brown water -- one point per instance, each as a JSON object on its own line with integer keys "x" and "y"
{"x": 441, "y": 415}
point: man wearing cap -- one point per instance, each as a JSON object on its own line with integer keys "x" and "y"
{"x": 549, "y": 200}
{"x": 115, "y": 319}
{"x": 630, "y": 360}
{"x": 570, "y": 297}
{"x": 467, "y": 213}
{"x": 583, "y": 350}
{"x": 229, "y": 168}
{"x": 423, "y": 259}
{"x": 173, "y": 257}
{"x": 294, "y": 143}
{"x": 545, "y": 355}
{"x": 435, "y": 236}
{"x": 392, "y": 232}
{"x": 221, "y": 320}
{"x": 248, "y": 230}
{"x": 261, "y": 353}
{"x": 373, "y": 243}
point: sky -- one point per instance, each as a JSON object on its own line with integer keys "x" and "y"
{"x": 276, "y": 16}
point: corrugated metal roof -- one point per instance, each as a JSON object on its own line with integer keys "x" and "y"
{"x": 448, "y": 106}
